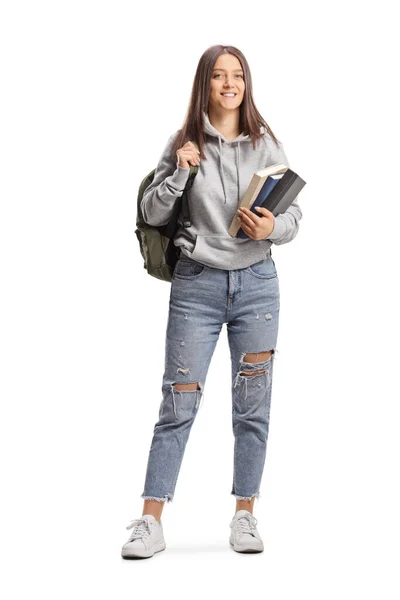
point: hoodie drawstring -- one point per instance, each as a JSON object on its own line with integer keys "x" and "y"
{"x": 210, "y": 129}
{"x": 221, "y": 167}
{"x": 238, "y": 171}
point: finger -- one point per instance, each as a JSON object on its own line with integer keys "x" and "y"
{"x": 194, "y": 152}
{"x": 192, "y": 147}
{"x": 195, "y": 158}
{"x": 189, "y": 156}
{"x": 264, "y": 211}
{"x": 248, "y": 217}
{"x": 250, "y": 232}
{"x": 195, "y": 149}
{"x": 247, "y": 228}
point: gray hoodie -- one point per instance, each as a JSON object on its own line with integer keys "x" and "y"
{"x": 219, "y": 186}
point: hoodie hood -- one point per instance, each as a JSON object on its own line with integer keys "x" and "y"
{"x": 241, "y": 138}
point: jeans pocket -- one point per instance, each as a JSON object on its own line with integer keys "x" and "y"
{"x": 188, "y": 269}
{"x": 264, "y": 269}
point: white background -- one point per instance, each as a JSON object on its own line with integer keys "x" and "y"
{"x": 91, "y": 91}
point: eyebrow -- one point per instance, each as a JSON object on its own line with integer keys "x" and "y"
{"x": 224, "y": 70}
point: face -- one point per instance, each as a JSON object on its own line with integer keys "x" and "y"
{"x": 227, "y": 76}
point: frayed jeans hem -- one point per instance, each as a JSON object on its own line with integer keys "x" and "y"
{"x": 167, "y": 498}
{"x": 256, "y": 495}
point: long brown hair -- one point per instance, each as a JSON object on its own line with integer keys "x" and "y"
{"x": 250, "y": 119}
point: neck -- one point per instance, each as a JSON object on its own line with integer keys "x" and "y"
{"x": 225, "y": 121}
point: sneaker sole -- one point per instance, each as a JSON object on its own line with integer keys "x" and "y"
{"x": 143, "y": 553}
{"x": 246, "y": 549}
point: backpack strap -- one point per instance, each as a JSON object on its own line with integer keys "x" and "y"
{"x": 185, "y": 196}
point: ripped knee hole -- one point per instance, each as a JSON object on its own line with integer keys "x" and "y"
{"x": 254, "y": 357}
{"x": 258, "y": 356}
{"x": 186, "y": 387}
{"x": 252, "y": 372}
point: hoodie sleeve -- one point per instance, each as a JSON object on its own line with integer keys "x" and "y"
{"x": 168, "y": 184}
{"x": 286, "y": 225}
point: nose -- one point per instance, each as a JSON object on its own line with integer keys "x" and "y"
{"x": 228, "y": 82}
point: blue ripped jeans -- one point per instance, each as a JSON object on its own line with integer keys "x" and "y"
{"x": 202, "y": 298}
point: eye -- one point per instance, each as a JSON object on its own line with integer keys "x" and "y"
{"x": 219, "y": 74}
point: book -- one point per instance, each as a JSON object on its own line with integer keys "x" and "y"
{"x": 274, "y": 188}
{"x": 266, "y": 189}
{"x": 253, "y": 190}
{"x": 280, "y": 194}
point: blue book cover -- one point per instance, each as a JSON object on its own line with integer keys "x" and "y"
{"x": 266, "y": 189}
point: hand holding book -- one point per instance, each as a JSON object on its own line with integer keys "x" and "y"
{"x": 274, "y": 189}
{"x": 253, "y": 226}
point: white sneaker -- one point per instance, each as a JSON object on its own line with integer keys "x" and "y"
{"x": 244, "y": 535}
{"x": 146, "y": 538}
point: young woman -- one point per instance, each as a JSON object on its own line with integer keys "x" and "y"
{"x": 218, "y": 279}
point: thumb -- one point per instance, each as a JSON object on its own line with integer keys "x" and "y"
{"x": 263, "y": 211}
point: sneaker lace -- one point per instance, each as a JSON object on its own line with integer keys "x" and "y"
{"x": 141, "y": 529}
{"x": 246, "y": 524}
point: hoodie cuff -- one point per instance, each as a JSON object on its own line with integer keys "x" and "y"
{"x": 180, "y": 177}
{"x": 278, "y": 231}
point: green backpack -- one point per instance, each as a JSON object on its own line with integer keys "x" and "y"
{"x": 156, "y": 243}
